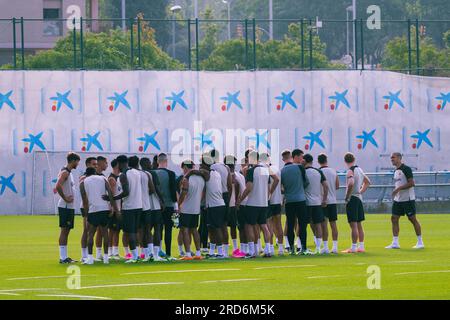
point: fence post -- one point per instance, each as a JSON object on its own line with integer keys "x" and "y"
{"x": 81, "y": 44}
{"x": 189, "y": 44}
{"x": 14, "y": 44}
{"x": 417, "y": 47}
{"x": 74, "y": 30}
{"x": 22, "y": 43}
{"x": 355, "y": 26}
{"x": 197, "y": 59}
{"x": 131, "y": 43}
{"x": 254, "y": 43}
{"x": 139, "y": 41}
{"x": 409, "y": 47}
{"x": 302, "y": 37}
{"x": 246, "y": 43}
{"x": 310, "y": 45}
{"x": 362, "y": 44}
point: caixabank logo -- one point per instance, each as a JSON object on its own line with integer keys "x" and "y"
{"x": 30, "y": 141}
{"x": 92, "y": 140}
{"x": 61, "y": 100}
{"x": 437, "y": 100}
{"x": 339, "y": 100}
{"x": 421, "y": 139}
{"x": 175, "y": 101}
{"x": 148, "y": 140}
{"x": 123, "y": 100}
{"x": 228, "y": 100}
{"x": 392, "y": 100}
{"x": 367, "y": 140}
{"x": 314, "y": 139}
{"x": 12, "y": 183}
{"x": 287, "y": 100}
{"x": 11, "y": 100}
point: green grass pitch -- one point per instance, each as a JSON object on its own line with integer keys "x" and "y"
{"x": 29, "y": 268}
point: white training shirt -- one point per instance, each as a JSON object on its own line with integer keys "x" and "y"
{"x": 68, "y": 187}
{"x": 154, "y": 199}
{"x": 193, "y": 199}
{"x": 358, "y": 178}
{"x": 134, "y": 199}
{"x": 276, "y": 197}
{"x": 401, "y": 176}
{"x": 241, "y": 181}
{"x": 95, "y": 187}
{"x": 330, "y": 174}
{"x": 223, "y": 170}
{"x": 117, "y": 190}
{"x": 259, "y": 176}
{"x": 313, "y": 191}
{"x": 214, "y": 196}
{"x": 145, "y": 191}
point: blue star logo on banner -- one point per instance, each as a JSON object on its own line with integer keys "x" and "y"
{"x": 60, "y": 99}
{"x": 340, "y": 97}
{"x": 367, "y": 137}
{"x": 120, "y": 99}
{"x": 176, "y": 98}
{"x": 205, "y": 139}
{"x": 7, "y": 182}
{"x": 92, "y": 140}
{"x": 6, "y": 98}
{"x": 149, "y": 140}
{"x": 34, "y": 140}
{"x": 261, "y": 138}
{"x": 422, "y": 137}
{"x": 286, "y": 98}
{"x": 444, "y": 98}
{"x": 314, "y": 138}
{"x": 393, "y": 98}
{"x": 230, "y": 99}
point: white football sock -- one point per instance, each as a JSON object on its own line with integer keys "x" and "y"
{"x": 198, "y": 253}
{"x": 220, "y": 250}
{"x": 135, "y": 254}
{"x": 212, "y": 248}
{"x": 325, "y": 245}
{"x": 63, "y": 252}
{"x": 150, "y": 248}
{"x": 419, "y": 239}
{"x": 226, "y": 248}
{"x": 251, "y": 246}
{"x": 286, "y": 241}
{"x": 155, "y": 251}
{"x": 235, "y": 244}
{"x": 335, "y": 245}
{"x": 354, "y": 245}
{"x": 361, "y": 245}
{"x": 84, "y": 253}
{"x": 98, "y": 252}
{"x": 280, "y": 248}
{"x": 318, "y": 243}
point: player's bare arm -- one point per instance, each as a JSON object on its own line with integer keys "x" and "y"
{"x": 59, "y": 187}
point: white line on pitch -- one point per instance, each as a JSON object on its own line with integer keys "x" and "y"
{"x": 177, "y": 271}
{"x": 322, "y": 277}
{"x": 10, "y": 294}
{"x": 46, "y": 277}
{"x": 131, "y": 285}
{"x": 412, "y": 261}
{"x": 144, "y": 299}
{"x": 73, "y": 296}
{"x": 422, "y": 272}
{"x": 31, "y": 289}
{"x": 296, "y": 266}
{"x": 229, "y": 280}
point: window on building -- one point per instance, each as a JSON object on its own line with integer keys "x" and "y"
{"x": 52, "y": 27}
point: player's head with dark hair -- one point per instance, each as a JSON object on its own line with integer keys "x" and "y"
{"x": 247, "y": 152}
{"x": 162, "y": 160}
{"x": 253, "y": 157}
{"x": 349, "y": 158}
{"x": 102, "y": 163}
{"x": 114, "y": 164}
{"x": 308, "y": 159}
{"x": 155, "y": 162}
{"x": 214, "y": 153}
{"x": 187, "y": 164}
{"x": 133, "y": 162}
{"x": 396, "y": 159}
{"x": 91, "y": 162}
{"x": 297, "y": 153}
{"x": 322, "y": 159}
{"x": 73, "y": 159}
{"x": 286, "y": 155}
{"x": 230, "y": 161}
{"x": 206, "y": 161}
{"x": 90, "y": 171}
{"x": 123, "y": 162}
{"x": 145, "y": 163}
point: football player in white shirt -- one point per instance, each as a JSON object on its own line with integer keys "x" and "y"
{"x": 357, "y": 184}
{"x": 93, "y": 189}
{"x": 330, "y": 211}
{"x": 404, "y": 202}
{"x": 66, "y": 211}
{"x": 114, "y": 224}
